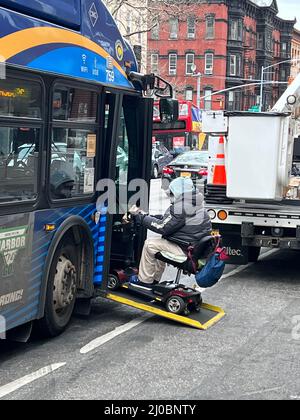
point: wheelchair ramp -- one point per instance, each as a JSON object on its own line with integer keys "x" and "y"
{"x": 203, "y": 320}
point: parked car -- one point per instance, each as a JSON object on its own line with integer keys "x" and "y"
{"x": 192, "y": 164}
{"x": 160, "y": 158}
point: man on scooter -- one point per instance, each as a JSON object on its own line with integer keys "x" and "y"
{"x": 185, "y": 222}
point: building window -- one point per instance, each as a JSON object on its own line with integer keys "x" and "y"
{"x": 154, "y": 63}
{"x": 236, "y": 30}
{"x": 190, "y": 61}
{"x": 284, "y": 75}
{"x": 172, "y": 64}
{"x": 189, "y": 94}
{"x": 209, "y": 63}
{"x": 234, "y": 101}
{"x": 260, "y": 41}
{"x": 191, "y": 27}
{"x": 254, "y": 41}
{"x": 284, "y": 46}
{"x": 210, "y": 27}
{"x": 174, "y": 24}
{"x": 155, "y": 29}
{"x": 230, "y": 101}
{"x": 269, "y": 42}
{"x": 208, "y": 99}
{"x": 129, "y": 23}
{"x": 235, "y": 65}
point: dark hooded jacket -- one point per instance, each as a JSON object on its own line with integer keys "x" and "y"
{"x": 185, "y": 220}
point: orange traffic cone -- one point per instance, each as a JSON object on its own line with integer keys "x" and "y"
{"x": 216, "y": 190}
{"x": 219, "y": 175}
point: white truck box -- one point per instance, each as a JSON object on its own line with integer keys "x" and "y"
{"x": 258, "y": 156}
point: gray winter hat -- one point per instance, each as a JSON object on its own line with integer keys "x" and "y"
{"x": 181, "y": 186}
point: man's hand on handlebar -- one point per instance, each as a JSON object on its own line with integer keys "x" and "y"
{"x": 134, "y": 211}
{"x": 126, "y": 219}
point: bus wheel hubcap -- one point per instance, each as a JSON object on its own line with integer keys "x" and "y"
{"x": 64, "y": 289}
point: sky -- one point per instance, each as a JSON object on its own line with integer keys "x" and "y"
{"x": 289, "y": 9}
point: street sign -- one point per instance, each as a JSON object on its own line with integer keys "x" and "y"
{"x": 254, "y": 108}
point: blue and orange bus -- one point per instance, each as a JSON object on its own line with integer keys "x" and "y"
{"x": 69, "y": 116}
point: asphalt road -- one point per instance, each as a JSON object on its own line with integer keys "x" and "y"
{"x": 253, "y": 353}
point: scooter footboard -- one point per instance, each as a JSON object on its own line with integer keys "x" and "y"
{"x": 208, "y": 316}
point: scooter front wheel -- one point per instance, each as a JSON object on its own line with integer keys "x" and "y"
{"x": 176, "y": 305}
{"x": 113, "y": 282}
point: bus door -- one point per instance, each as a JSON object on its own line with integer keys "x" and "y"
{"x": 128, "y": 151}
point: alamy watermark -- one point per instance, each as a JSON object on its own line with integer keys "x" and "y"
{"x": 2, "y": 328}
{"x": 2, "y": 68}
{"x": 118, "y": 198}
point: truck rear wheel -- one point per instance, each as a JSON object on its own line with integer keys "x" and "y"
{"x": 61, "y": 291}
{"x": 253, "y": 254}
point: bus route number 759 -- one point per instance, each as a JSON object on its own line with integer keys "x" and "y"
{"x": 110, "y": 76}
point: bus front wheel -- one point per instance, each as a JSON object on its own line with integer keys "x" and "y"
{"x": 61, "y": 291}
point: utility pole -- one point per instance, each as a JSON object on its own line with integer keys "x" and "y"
{"x": 199, "y": 76}
{"x": 261, "y": 89}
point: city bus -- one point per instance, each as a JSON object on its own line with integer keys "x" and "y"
{"x": 184, "y": 133}
{"x": 70, "y": 115}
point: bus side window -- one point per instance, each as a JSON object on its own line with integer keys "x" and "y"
{"x": 20, "y": 132}
{"x": 73, "y": 143}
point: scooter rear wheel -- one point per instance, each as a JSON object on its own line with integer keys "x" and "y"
{"x": 175, "y": 305}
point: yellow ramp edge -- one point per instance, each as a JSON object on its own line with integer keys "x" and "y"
{"x": 178, "y": 318}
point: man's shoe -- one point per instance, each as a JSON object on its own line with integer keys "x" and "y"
{"x": 134, "y": 280}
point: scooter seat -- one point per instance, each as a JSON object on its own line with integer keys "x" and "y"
{"x": 190, "y": 263}
{"x": 177, "y": 261}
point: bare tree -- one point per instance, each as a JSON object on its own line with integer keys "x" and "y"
{"x": 136, "y": 18}
{"x": 146, "y": 14}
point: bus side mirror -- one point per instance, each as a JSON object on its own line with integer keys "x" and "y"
{"x": 169, "y": 110}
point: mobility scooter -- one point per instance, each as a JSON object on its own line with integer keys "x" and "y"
{"x": 175, "y": 297}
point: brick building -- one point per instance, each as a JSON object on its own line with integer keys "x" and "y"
{"x": 295, "y": 54}
{"x": 227, "y": 42}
